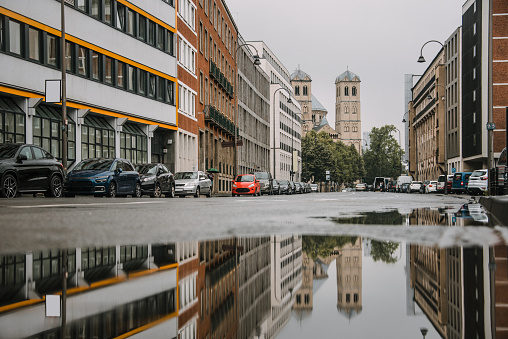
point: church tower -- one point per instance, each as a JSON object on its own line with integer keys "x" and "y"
{"x": 301, "y": 83}
{"x": 348, "y": 113}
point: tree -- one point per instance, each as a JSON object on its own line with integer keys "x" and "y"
{"x": 383, "y": 251}
{"x": 383, "y": 158}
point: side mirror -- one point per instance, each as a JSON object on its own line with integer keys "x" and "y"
{"x": 257, "y": 181}
{"x": 119, "y": 170}
{"x": 22, "y": 157}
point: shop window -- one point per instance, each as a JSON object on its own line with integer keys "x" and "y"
{"x": 14, "y": 37}
{"x": 133, "y": 144}
{"x": 34, "y": 44}
{"x": 12, "y": 122}
{"x": 97, "y": 138}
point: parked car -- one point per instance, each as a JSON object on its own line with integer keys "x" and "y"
{"x": 284, "y": 187}
{"x": 292, "y": 187}
{"x": 265, "y": 181}
{"x": 156, "y": 180}
{"x": 246, "y": 184}
{"x": 314, "y": 188}
{"x": 401, "y": 180}
{"x": 276, "y": 187}
{"x": 478, "y": 182}
{"x": 391, "y": 186}
{"x": 404, "y": 188}
{"x": 361, "y": 187}
{"x": 27, "y": 168}
{"x": 298, "y": 188}
{"x": 460, "y": 181}
{"x": 415, "y": 186}
{"x": 192, "y": 183}
{"x": 431, "y": 187}
{"x": 441, "y": 182}
{"x": 109, "y": 177}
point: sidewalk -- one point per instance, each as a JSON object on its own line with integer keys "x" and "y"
{"x": 497, "y": 207}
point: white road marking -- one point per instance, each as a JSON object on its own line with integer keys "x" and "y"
{"x": 94, "y": 204}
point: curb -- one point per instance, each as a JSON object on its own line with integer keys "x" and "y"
{"x": 497, "y": 207}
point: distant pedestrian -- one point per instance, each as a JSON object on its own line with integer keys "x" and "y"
{"x": 210, "y": 176}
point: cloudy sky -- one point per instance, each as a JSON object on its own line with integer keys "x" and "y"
{"x": 378, "y": 40}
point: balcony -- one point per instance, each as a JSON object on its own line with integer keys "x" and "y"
{"x": 215, "y": 117}
{"x": 221, "y": 79}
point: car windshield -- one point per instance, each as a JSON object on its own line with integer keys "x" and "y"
{"x": 261, "y": 175}
{"x": 283, "y": 182}
{"x": 147, "y": 169}
{"x": 186, "y": 175}
{"x": 8, "y": 151}
{"x": 94, "y": 164}
{"x": 244, "y": 178}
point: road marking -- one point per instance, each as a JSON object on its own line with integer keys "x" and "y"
{"x": 94, "y": 204}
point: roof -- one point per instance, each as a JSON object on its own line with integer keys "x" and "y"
{"x": 323, "y": 123}
{"x": 316, "y": 105}
{"x": 347, "y": 76}
{"x": 300, "y": 75}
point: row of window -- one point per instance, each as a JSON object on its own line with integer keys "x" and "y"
{"x": 353, "y": 129}
{"x": 44, "y": 48}
{"x": 187, "y": 55}
{"x": 117, "y": 15}
{"x": 187, "y": 11}
{"x": 220, "y": 25}
{"x": 354, "y": 91}
{"x": 297, "y": 90}
{"x": 186, "y": 100}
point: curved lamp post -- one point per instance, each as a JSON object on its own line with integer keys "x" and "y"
{"x": 289, "y": 101}
{"x": 257, "y": 62}
{"x": 421, "y": 59}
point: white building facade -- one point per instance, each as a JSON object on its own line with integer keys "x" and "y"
{"x": 285, "y": 119}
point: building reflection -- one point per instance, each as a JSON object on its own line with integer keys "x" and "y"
{"x": 463, "y": 291}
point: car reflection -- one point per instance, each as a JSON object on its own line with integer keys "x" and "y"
{"x": 259, "y": 287}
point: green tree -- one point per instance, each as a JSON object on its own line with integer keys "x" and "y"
{"x": 383, "y": 251}
{"x": 317, "y": 155}
{"x": 383, "y": 158}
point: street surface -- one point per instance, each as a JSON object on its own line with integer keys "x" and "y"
{"x": 29, "y": 223}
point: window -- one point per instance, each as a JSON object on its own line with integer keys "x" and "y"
{"x": 160, "y": 88}
{"x": 474, "y": 51}
{"x": 170, "y": 43}
{"x": 353, "y": 91}
{"x": 152, "y": 79}
{"x": 108, "y": 70}
{"x": 160, "y": 37}
{"x": 69, "y": 56}
{"x": 96, "y": 61}
{"x": 51, "y": 50}
{"x": 297, "y": 90}
{"x": 142, "y": 27}
{"x": 170, "y": 92}
{"x": 97, "y": 138}
{"x": 186, "y": 100}
{"x": 1, "y": 33}
{"x": 133, "y": 144}
{"x": 346, "y": 91}
{"x": 474, "y": 95}
{"x": 151, "y": 33}
{"x": 120, "y": 16}
{"x": 14, "y": 37}
{"x": 474, "y": 73}
{"x": 96, "y": 9}
{"x": 120, "y": 69}
{"x": 131, "y": 78}
{"x": 82, "y": 61}
{"x": 107, "y": 11}
{"x": 12, "y": 122}
{"x": 82, "y": 5}
{"x": 141, "y": 81}
{"x": 474, "y": 28}
{"x": 130, "y": 21}
{"x": 305, "y": 90}
{"x": 34, "y": 42}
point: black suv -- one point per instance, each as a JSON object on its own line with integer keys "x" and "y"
{"x": 29, "y": 169}
{"x": 265, "y": 181}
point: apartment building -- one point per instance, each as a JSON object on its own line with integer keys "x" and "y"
{"x": 120, "y": 79}
{"x": 426, "y": 118}
{"x": 216, "y": 63}
{"x": 285, "y": 118}
{"x": 253, "y": 112}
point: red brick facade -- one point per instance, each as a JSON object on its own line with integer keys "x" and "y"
{"x": 499, "y": 71}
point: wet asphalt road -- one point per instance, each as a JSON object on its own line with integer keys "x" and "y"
{"x": 29, "y": 223}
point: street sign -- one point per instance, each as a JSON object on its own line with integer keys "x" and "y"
{"x": 327, "y": 172}
{"x": 491, "y": 126}
{"x": 328, "y": 177}
{"x": 454, "y": 170}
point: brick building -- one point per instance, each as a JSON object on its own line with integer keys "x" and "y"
{"x": 216, "y": 71}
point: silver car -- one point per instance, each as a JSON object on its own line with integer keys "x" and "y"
{"x": 192, "y": 183}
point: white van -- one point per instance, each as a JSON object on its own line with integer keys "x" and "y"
{"x": 402, "y": 180}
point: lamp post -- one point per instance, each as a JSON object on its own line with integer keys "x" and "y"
{"x": 400, "y": 153}
{"x": 424, "y": 331}
{"x": 257, "y": 63}
{"x": 292, "y": 142}
{"x": 289, "y": 101}
{"x": 421, "y": 59}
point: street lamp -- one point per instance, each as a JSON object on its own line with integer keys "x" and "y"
{"x": 424, "y": 331}
{"x": 420, "y": 60}
{"x": 257, "y": 62}
{"x": 292, "y": 142}
{"x": 400, "y": 152}
{"x": 289, "y": 101}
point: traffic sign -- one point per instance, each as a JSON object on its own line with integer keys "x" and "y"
{"x": 454, "y": 170}
{"x": 491, "y": 126}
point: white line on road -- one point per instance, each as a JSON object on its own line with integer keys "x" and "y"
{"x": 94, "y": 204}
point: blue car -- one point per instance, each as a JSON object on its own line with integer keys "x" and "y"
{"x": 103, "y": 177}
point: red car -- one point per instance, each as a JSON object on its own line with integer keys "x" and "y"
{"x": 246, "y": 184}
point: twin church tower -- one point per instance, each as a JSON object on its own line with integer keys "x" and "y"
{"x": 348, "y": 113}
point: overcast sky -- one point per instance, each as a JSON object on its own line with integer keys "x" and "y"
{"x": 378, "y": 40}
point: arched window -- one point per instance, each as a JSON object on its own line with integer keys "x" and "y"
{"x": 297, "y": 90}
{"x": 304, "y": 90}
{"x": 338, "y": 92}
{"x": 346, "y": 110}
{"x": 353, "y": 91}
{"x": 313, "y": 118}
{"x": 354, "y": 109}
{"x": 346, "y": 91}
{"x": 346, "y": 128}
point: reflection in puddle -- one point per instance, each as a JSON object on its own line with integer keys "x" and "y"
{"x": 284, "y": 286}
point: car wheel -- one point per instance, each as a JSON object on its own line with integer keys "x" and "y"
{"x": 55, "y": 187}
{"x": 157, "y": 192}
{"x": 9, "y": 186}
{"x": 209, "y": 195}
{"x": 138, "y": 193}
{"x": 171, "y": 192}
{"x": 233, "y": 195}
{"x": 112, "y": 190}
{"x": 197, "y": 193}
